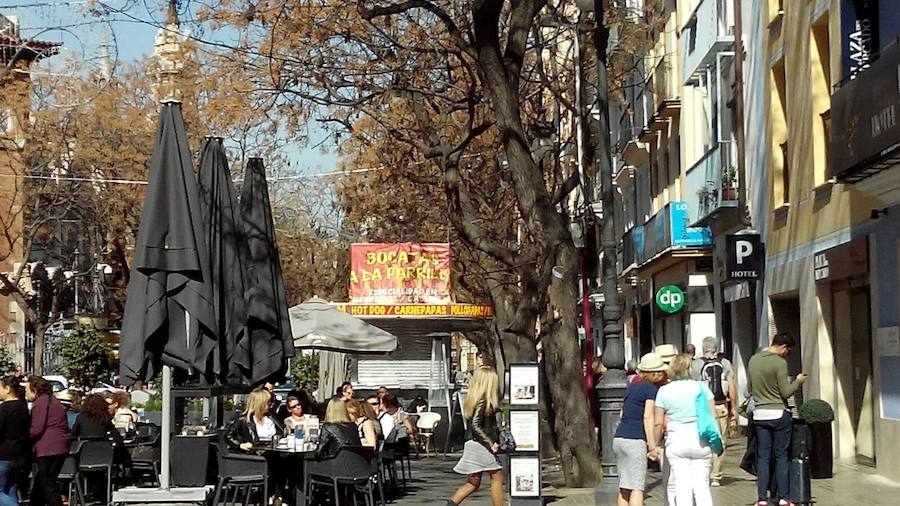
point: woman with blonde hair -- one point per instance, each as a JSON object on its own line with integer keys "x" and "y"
{"x": 635, "y": 435}
{"x": 479, "y": 453}
{"x": 338, "y": 430}
{"x": 364, "y": 425}
{"x": 690, "y": 459}
{"x": 255, "y": 425}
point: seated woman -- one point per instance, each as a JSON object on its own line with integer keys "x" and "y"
{"x": 94, "y": 423}
{"x": 296, "y": 413}
{"x": 124, "y": 418}
{"x": 365, "y": 426}
{"x": 338, "y": 430}
{"x": 255, "y": 426}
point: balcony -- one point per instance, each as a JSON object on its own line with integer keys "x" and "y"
{"x": 710, "y": 185}
{"x": 666, "y": 96}
{"x": 669, "y": 228}
{"x": 869, "y": 122}
{"x": 709, "y": 31}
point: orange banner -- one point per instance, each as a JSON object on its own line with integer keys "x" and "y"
{"x": 400, "y": 273}
{"x": 448, "y": 310}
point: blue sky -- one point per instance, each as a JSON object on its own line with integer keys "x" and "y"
{"x": 130, "y": 36}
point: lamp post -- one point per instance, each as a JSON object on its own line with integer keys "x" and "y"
{"x": 611, "y": 387}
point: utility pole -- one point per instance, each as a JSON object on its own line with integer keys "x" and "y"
{"x": 611, "y": 387}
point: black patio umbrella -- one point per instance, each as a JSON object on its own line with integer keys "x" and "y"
{"x": 223, "y": 231}
{"x": 169, "y": 293}
{"x": 270, "y": 343}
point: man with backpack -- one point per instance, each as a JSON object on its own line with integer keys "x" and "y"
{"x": 718, "y": 374}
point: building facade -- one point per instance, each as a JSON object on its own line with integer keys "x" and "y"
{"x": 16, "y": 59}
{"x": 831, "y": 267}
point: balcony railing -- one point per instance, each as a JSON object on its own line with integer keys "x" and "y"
{"x": 669, "y": 228}
{"x": 710, "y": 30}
{"x": 711, "y": 184}
{"x": 666, "y": 96}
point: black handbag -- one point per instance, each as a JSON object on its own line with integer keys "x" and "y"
{"x": 506, "y": 442}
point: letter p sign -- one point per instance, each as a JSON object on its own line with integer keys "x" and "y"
{"x": 670, "y": 299}
{"x": 744, "y": 250}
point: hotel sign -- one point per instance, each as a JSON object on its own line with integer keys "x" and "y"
{"x": 864, "y": 119}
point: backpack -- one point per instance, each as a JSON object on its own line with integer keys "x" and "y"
{"x": 713, "y": 374}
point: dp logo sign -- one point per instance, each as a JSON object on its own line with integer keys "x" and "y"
{"x": 670, "y": 299}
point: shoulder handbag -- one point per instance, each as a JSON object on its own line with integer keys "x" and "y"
{"x": 706, "y": 423}
{"x": 506, "y": 442}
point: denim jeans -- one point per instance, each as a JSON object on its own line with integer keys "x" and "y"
{"x": 8, "y": 484}
{"x": 772, "y": 438}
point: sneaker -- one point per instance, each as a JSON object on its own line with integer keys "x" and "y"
{"x": 715, "y": 483}
{"x": 762, "y": 503}
{"x": 783, "y": 502}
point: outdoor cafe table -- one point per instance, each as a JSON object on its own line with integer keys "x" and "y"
{"x": 298, "y": 456}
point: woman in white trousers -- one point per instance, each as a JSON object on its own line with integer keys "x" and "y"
{"x": 689, "y": 459}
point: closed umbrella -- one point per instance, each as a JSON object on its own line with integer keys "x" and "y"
{"x": 223, "y": 230}
{"x": 317, "y": 325}
{"x": 270, "y": 343}
{"x": 169, "y": 294}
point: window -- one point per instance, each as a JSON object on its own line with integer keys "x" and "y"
{"x": 785, "y": 174}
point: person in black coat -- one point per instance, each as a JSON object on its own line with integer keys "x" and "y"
{"x": 15, "y": 446}
{"x": 337, "y": 431}
{"x": 255, "y": 427}
{"x": 94, "y": 423}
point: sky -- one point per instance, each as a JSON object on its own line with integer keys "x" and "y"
{"x": 130, "y": 36}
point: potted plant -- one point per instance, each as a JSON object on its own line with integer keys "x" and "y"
{"x": 729, "y": 188}
{"x": 818, "y": 416}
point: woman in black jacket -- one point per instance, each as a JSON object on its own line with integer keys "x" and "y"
{"x": 94, "y": 423}
{"x": 337, "y": 431}
{"x": 255, "y": 427}
{"x": 479, "y": 452}
{"x": 15, "y": 447}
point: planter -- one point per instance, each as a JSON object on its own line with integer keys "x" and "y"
{"x": 729, "y": 193}
{"x": 821, "y": 456}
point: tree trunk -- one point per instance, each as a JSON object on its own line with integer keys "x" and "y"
{"x": 578, "y": 449}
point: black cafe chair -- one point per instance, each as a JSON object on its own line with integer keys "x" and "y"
{"x": 146, "y": 458}
{"x": 240, "y": 476}
{"x": 353, "y": 468}
{"x": 97, "y": 456}
{"x": 70, "y": 473}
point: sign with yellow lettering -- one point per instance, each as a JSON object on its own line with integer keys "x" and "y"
{"x": 400, "y": 273}
{"x": 430, "y": 310}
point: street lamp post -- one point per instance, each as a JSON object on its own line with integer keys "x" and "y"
{"x": 611, "y": 387}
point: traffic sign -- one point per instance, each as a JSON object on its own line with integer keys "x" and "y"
{"x": 670, "y": 299}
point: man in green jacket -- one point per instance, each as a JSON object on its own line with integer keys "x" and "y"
{"x": 770, "y": 388}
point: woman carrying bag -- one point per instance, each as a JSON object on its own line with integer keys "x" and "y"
{"x": 479, "y": 454}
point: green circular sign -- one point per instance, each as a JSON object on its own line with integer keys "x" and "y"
{"x": 670, "y": 299}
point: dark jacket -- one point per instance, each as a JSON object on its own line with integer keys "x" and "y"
{"x": 334, "y": 436}
{"x": 90, "y": 428}
{"x": 482, "y": 426}
{"x": 49, "y": 427}
{"x": 243, "y": 431}
{"x": 14, "y": 444}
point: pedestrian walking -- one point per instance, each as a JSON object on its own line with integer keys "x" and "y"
{"x": 482, "y": 441}
{"x": 636, "y": 435}
{"x": 49, "y": 432}
{"x": 14, "y": 445}
{"x": 689, "y": 457}
{"x": 718, "y": 374}
{"x": 667, "y": 352}
{"x": 770, "y": 388}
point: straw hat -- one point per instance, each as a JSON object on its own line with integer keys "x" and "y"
{"x": 651, "y": 362}
{"x": 65, "y": 396}
{"x": 666, "y": 351}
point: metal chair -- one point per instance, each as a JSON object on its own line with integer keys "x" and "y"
{"x": 399, "y": 452}
{"x": 239, "y": 476}
{"x": 426, "y": 425}
{"x": 71, "y": 474}
{"x": 146, "y": 458}
{"x": 97, "y": 456}
{"x": 353, "y": 467}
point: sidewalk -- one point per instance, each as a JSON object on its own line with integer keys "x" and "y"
{"x": 851, "y": 484}
{"x": 434, "y": 481}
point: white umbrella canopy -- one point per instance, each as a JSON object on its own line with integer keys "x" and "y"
{"x": 316, "y": 324}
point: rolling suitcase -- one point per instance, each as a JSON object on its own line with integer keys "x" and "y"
{"x": 799, "y": 490}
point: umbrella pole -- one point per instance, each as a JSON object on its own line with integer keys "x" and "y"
{"x": 166, "y": 426}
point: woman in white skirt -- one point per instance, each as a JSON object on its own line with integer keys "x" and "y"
{"x": 479, "y": 453}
